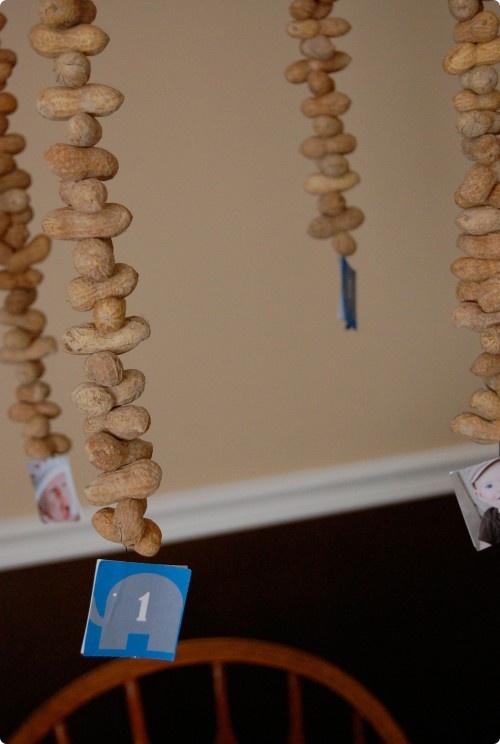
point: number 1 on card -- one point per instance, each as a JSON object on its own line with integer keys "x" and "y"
{"x": 144, "y": 600}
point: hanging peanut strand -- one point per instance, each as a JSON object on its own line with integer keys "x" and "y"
{"x": 329, "y": 145}
{"x": 114, "y": 424}
{"x": 472, "y": 60}
{"x": 23, "y": 346}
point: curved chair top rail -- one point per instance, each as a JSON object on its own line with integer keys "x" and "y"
{"x": 212, "y": 651}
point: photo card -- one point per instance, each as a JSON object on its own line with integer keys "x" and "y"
{"x": 477, "y": 489}
{"x": 55, "y": 494}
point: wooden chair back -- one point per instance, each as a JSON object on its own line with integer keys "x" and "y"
{"x": 368, "y": 713}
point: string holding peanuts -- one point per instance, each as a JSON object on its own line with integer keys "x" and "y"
{"x": 113, "y": 422}
{"x": 329, "y": 145}
{"x": 473, "y": 60}
{"x": 24, "y": 345}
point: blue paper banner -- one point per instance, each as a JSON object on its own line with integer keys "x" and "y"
{"x": 347, "y": 304}
{"x": 136, "y": 610}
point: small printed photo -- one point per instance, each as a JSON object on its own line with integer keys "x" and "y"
{"x": 477, "y": 489}
{"x": 55, "y": 493}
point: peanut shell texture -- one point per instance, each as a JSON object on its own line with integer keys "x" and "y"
{"x": 113, "y": 422}
{"x": 472, "y": 60}
{"x": 317, "y": 33}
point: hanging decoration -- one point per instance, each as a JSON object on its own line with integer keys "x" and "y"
{"x": 113, "y": 424}
{"x": 329, "y": 145}
{"x": 472, "y": 60}
{"x": 23, "y": 346}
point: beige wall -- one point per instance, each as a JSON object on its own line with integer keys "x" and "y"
{"x": 249, "y": 372}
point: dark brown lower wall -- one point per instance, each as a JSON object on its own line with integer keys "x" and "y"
{"x": 397, "y": 596}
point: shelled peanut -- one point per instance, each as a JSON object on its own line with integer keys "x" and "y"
{"x": 23, "y": 345}
{"x": 114, "y": 424}
{"x": 473, "y": 60}
{"x": 329, "y": 145}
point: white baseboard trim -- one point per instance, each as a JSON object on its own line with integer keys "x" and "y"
{"x": 262, "y": 502}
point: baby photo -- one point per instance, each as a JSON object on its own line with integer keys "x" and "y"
{"x": 55, "y": 493}
{"x": 478, "y": 492}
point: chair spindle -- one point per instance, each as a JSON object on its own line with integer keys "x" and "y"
{"x": 224, "y": 732}
{"x": 295, "y": 711}
{"x": 358, "y": 728}
{"x": 61, "y": 733}
{"x": 136, "y": 712}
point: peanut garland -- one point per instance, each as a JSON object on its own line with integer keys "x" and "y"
{"x": 330, "y": 144}
{"x": 23, "y": 344}
{"x": 472, "y": 59}
{"x": 114, "y": 424}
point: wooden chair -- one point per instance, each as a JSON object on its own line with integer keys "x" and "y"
{"x": 368, "y": 715}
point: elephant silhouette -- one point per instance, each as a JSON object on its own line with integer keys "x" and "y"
{"x": 142, "y": 603}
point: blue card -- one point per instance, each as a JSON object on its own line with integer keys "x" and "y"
{"x": 136, "y": 610}
{"x": 347, "y": 303}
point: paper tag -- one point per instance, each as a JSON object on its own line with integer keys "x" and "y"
{"x": 347, "y": 303}
{"x": 55, "y": 493}
{"x": 136, "y": 610}
{"x": 477, "y": 489}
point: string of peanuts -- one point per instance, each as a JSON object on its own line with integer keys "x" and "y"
{"x": 113, "y": 424}
{"x": 472, "y": 59}
{"x": 23, "y": 344}
{"x": 330, "y": 144}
